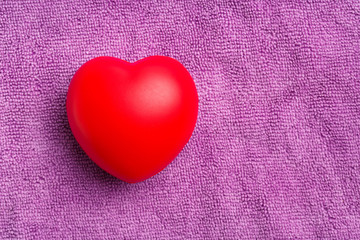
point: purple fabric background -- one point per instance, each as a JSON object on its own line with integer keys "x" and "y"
{"x": 275, "y": 153}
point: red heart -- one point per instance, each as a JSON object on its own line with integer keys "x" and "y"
{"x": 132, "y": 119}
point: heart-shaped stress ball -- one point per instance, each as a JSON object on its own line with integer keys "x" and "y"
{"x": 132, "y": 119}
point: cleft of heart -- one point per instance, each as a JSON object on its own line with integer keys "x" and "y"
{"x": 132, "y": 119}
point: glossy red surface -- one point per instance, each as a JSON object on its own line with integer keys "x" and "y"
{"x": 132, "y": 119}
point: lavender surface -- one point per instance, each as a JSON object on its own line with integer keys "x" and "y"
{"x": 276, "y": 149}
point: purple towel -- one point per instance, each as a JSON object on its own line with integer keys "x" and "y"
{"x": 276, "y": 150}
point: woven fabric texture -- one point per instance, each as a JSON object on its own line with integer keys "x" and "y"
{"x": 276, "y": 150}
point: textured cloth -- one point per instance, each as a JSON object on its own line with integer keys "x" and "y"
{"x": 275, "y": 153}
